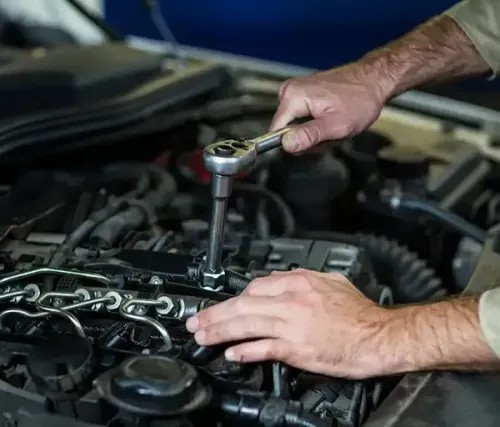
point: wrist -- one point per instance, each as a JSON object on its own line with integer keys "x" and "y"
{"x": 381, "y": 73}
{"x": 399, "y": 344}
{"x": 441, "y": 335}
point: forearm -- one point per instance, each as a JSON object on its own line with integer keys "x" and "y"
{"x": 435, "y": 51}
{"x": 443, "y": 335}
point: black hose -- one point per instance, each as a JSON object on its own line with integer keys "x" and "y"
{"x": 287, "y": 217}
{"x": 109, "y": 231}
{"x": 449, "y": 219}
{"x": 137, "y": 214}
{"x": 82, "y": 231}
{"x": 271, "y": 412}
{"x": 409, "y": 277}
{"x": 165, "y": 188}
{"x": 123, "y": 171}
{"x": 127, "y": 171}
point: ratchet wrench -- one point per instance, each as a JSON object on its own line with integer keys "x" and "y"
{"x": 225, "y": 160}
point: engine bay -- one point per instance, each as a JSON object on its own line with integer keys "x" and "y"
{"x": 104, "y": 230}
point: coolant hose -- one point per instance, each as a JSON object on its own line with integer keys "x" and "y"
{"x": 409, "y": 277}
{"x": 115, "y": 172}
{"x": 271, "y": 412}
{"x": 127, "y": 171}
{"x": 449, "y": 219}
{"x": 165, "y": 188}
{"x": 106, "y": 234}
{"x": 287, "y": 217}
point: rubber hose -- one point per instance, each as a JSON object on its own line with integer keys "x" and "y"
{"x": 409, "y": 277}
{"x": 448, "y": 219}
{"x": 287, "y": 217}
{"x": 255, "y": 410}
{"x": 113, "y": 206}
{"x": 127, "y": 171}
{"x": 111, "y": 230}
{"x": 108, "y": 232}
{"x": 165, "y": 188}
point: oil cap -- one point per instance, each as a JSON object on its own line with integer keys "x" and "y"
{"x": 154, "y": 386}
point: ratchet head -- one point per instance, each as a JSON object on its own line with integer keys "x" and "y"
{"x": 228, "y": 158}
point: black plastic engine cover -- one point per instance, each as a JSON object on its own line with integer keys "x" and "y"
{"x": 72, "y": 75}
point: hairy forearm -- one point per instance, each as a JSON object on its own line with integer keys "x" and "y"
{"x": 442, "y": 335}
{"x": 438, "y": 50}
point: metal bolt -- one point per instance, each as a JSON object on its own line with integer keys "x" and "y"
{"x": 117, "y": 300}
{"x": 164, "y": 310}
{"x": 140, "y": 310}
{"x": 34, "y": 292}
{"x": 155, "y": 280}
{"x": 58, "y": 302}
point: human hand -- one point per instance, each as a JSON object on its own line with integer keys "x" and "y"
{"x": 314, "y": 321}
{"x": 342, "y": 102}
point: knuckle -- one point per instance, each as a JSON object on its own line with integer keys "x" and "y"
{"x": 309, "y": 135}
{"x": 304, "y": 282}
{"x": 204, "y": 318}
{"x": 347, "y": 128}
{"x": 277, "y": 327}
{"x": 255, "y": 285}
{"x": 287, "y": 297}
{"x": 290, "y": 88}
{"x": 274, "y": 350}
{"x": 291, "y": 302}
{"x": 285, "y": 88}
{"x": 313, "y": 298}
{"x": 209, "y": 334}
{"x": 220, "y": 332}
{"x": 270, "y": 350}
{"x": 250, "y": 328}
{"x": 238, "y": 304}
{"x": 338, "y": 277}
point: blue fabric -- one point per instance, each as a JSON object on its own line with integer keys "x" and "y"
{"x": 312, "y": 33}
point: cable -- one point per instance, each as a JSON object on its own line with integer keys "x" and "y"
{"x": 286, "y": 213}
{"x": 113, "y": 206}
{"x": 453, "y": 221}
{"x": 139, "y": 212}
{"x": 98, "y": 22}
{"x": 162, "y": 26}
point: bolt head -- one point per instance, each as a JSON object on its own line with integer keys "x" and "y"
{"x": 155, "y": 280}
{"x": 140, "y": 310}
{"x": 213, "y": 281}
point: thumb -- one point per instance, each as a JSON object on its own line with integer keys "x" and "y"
{"x": 324, "y": 128}
{"x": 305, "y": 136}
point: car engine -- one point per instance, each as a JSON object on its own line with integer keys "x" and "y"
{"x": 104, "y": 231}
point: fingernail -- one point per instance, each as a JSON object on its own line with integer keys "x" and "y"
{"x": 290, "y": 142}
{"x": 192, "y": 324}
{"x": 199, "y": 337}
{"x": 229, "y": 355}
